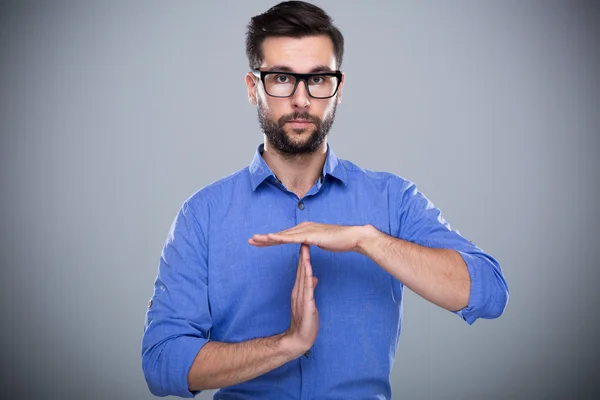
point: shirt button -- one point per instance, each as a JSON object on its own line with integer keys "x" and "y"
{"x": 301, "y": 205}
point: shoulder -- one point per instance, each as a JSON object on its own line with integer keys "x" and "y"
{"x": 392, "y": 182}
{"x": 214, "y": 193}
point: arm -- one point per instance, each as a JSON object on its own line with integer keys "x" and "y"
{"x": 178, "y": 320}
{"x": 431, "y": 258}
{"x": 438, "y": 275}
{"x": 424, "y": 253}
{"x": 225, "y": 364}
{"x": 177, "y": 356}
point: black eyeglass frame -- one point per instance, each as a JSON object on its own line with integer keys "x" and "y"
{"x": 299, "y": 77}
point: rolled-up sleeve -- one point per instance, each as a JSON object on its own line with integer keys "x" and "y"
{"x": 421, "y": 222}
{"x": 178, "y": 319}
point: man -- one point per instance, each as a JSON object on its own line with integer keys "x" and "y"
{"x": 237, "y": 304}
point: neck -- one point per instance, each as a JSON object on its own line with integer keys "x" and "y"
{"x": 298, "y": 172}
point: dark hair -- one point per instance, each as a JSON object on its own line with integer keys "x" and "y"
{"x": 294, "y": 19}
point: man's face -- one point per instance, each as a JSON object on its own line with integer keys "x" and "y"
{"x": 297, "y": 124}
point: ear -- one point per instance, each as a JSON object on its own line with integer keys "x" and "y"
{"x": 252, "y": 84}
{"x": 339, "y": 94}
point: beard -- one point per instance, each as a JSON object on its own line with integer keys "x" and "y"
{"x": 283, "y": 141}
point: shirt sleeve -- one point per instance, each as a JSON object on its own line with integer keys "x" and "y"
{"x": 178, "y": 318}
{"x": 421, "y": 222}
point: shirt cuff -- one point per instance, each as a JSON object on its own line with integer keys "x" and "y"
{"x": 182, "y": 355}
{"x": 476, "y": 306}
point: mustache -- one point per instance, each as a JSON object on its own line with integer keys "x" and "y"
{"x": 299, "y": 115}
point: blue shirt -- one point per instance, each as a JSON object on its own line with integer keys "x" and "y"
{"x": 213, "y": 285}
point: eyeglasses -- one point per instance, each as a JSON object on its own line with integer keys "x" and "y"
{"x": 320, "y": 85}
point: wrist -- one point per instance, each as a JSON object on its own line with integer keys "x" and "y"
{"x": 367, "y": 237}
{"x": 290, "y": 347}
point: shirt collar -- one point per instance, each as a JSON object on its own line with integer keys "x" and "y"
{"x": 259, "y": 170}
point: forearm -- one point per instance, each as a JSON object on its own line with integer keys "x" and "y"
{"x": 438, "y": 275}
{"x": 224, "y": 364}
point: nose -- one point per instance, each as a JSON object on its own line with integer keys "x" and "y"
{"x": 301, "y": 99}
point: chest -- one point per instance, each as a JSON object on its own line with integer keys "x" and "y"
{"x": 250, "y": 287}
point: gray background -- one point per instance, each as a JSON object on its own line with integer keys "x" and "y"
{"x": 113, "y": 113}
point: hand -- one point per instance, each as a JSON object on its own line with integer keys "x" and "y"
{"x": 304, "y": 325}
{"x": 325, "y": 236}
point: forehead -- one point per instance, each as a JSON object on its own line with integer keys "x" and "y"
{"x": 298, "y": 54}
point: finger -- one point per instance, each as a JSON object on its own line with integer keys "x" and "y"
{"x": 297, "y": 282}
{"x": 265, "y": 240}
{"x": 300, "y": 226}
{"x": 315, "y": 281}
{"x": 309, "y": 285}
{"x": 304, "y": 227}
{"x": 258, "y": 243}
{"x": 292, "y": 229}
{"x": 282, "y": 236}
{"x": 300, "y": 237}
{"x": 302, "y": 278}
{"x": 262, "y": 238}
{"x": 285, "y": 231}
{"x": 306, "y": 252}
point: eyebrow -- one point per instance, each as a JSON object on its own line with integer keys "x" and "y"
{"x": 284, "y": 68}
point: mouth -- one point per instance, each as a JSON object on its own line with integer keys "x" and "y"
{"x": 299, "y": 123}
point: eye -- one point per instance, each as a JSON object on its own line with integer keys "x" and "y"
{"x": 317, "y": 80}
{"x": 282, "y": 78}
